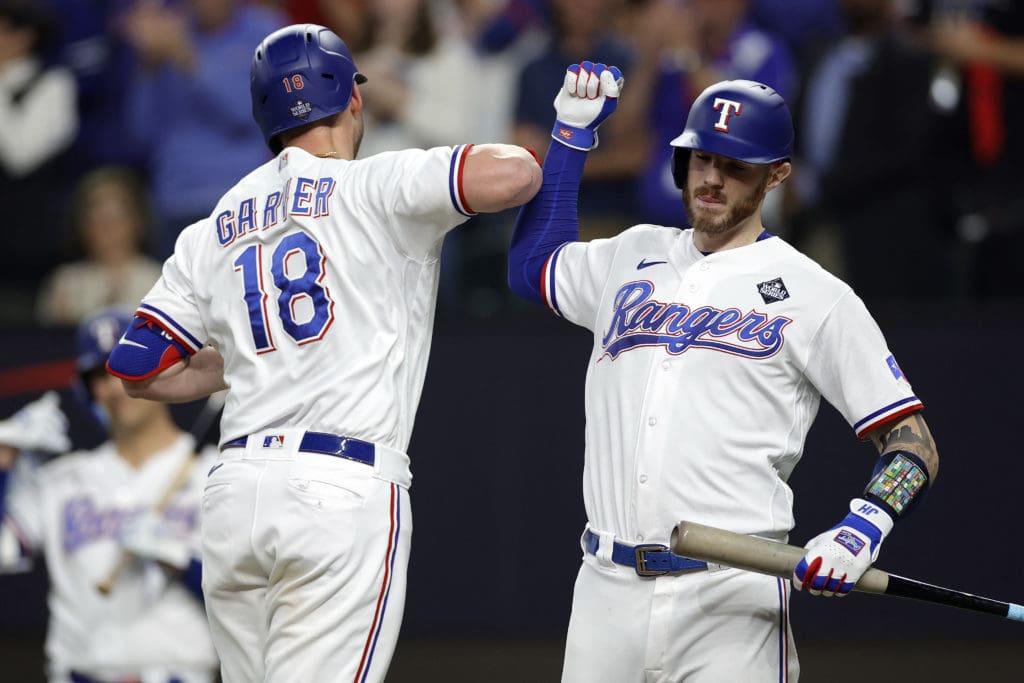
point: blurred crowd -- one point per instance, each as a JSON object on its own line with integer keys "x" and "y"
{"x": 122, "y": 122}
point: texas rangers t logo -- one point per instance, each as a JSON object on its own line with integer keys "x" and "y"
{"x": 727, "y": 109}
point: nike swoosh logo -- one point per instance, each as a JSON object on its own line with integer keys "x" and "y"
{"x": 647, "y": 264}
{"x": 129, "y": 342}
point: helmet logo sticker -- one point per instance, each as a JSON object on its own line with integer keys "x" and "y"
{"x": 727, "y": 109}
{"x": 301, "y": 109}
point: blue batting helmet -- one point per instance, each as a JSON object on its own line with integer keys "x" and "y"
{"x": 300, "y": 74}
{"x": 743, "y": 120}
{"x": 97, "y": 336}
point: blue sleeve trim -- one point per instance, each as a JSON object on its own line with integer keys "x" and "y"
{"x": 545, "y": 223}
{"x": 192, "y": 577}
{"x": 455, "y": 185}
{"x": 169, "y": 324}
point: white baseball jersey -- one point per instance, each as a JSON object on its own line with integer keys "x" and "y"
{"x": 706, "y": 375}
{"x": 316, "y": 279}
{"x": 71, "y": 510}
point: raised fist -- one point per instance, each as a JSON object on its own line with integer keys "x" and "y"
{"x": 588, "y": 96}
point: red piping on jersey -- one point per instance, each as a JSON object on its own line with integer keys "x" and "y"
{"x": 383, "y": 589}
{"x": 862, "y": 434}
{"x": 544, "y": 273}
{"x": 458, "y": 180}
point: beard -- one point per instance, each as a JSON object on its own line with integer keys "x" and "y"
{"x": 721, "y": 223}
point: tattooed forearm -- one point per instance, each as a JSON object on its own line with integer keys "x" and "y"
{"x": 909, "y": 434}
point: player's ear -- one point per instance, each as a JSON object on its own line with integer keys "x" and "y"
{"x": 355, "y": 104}
{"x": 778, "y": 173}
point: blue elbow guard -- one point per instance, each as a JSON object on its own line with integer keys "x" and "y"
{"x": 144, "y": 350}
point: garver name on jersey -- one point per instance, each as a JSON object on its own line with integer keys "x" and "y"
{"x": 300, "y": 197}
{"x": 638, "y": 320}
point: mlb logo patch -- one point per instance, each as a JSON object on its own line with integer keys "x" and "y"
{"x": 773, "y": 290}
{"x": 275, "y": 441}
{"x": 850, "y": 541}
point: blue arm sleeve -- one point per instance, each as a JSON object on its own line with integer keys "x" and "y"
{"x": 192, "y": 578}
{"x": 547, "y": 221}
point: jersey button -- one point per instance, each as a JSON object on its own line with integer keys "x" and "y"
{"x": 704, "y": 265}
{"x": 640, "y": 537}
{"x": 652, "y": 421}
{"x": 693, "y": 287}
{"x": 643, "y": 478}
{"x": 665, "y": 365}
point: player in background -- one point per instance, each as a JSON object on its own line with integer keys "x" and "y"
{"x": 314, "y": 284}
{"x": 83, "y": 509}
{"x": 712, "y": 348}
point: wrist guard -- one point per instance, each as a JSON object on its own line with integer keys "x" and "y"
{"x": 899, "y": 481}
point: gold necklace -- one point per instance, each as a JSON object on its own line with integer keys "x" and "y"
{"x": 327, "y": 155}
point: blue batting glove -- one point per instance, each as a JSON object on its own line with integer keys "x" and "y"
{"x": 588, "y": 96}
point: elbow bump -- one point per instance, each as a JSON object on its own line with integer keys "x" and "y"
{"x": 527, "y": 180}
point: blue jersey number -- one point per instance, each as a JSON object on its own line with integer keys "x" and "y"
{"x": 296, "y": 266}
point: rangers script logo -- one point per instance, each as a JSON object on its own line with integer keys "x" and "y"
{"x": 638, "y": 320}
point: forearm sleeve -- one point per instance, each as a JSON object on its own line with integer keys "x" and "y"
{"x": 547, "y": 221}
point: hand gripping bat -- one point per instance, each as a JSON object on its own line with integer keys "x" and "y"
{"x": 778, "y": 559}
{"x": 200, "y": 428}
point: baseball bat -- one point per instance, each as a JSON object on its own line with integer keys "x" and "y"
{"x": 778, "y": 559}
{"x": 200, "y": 428}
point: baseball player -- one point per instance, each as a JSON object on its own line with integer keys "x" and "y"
{"x": 83, "y": 510}
{"x": 314, "y": 282}
{"x": 712, "y": 348}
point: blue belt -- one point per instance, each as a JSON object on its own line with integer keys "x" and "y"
{"x": 648, "y": 560}
{"x": 77, "y": 677}
{"x": 327, "y": 444}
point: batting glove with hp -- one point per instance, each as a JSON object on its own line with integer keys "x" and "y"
{"x": 38, "y": 426}
{"x": 836, "y": 559}
{"x": 588, "y": 96}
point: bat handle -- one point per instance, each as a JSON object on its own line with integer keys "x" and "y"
{"x": 106, "y": 586}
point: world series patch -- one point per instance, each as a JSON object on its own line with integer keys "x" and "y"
{"x": 773, "y": 290}
{"x": 301, "y": 109}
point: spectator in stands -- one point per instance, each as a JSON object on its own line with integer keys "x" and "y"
{"x": 582, "y": 30}
{"x": 189, "y": 103}
{"x": 870, "y": 174}
{"x": 111, "y": 220}
{"x": 986, "y": 48}
{"x": 38, "y": 123}
{"x": 428, "y": 85}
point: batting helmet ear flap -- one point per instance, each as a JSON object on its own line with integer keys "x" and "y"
{"x": 680, "y": 162}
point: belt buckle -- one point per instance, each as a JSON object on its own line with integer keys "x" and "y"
{"x": 640, "y": 552}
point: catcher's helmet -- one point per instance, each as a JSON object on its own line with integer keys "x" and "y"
{"x": 743, "y": 120}
{"x": 300, "y": 74}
